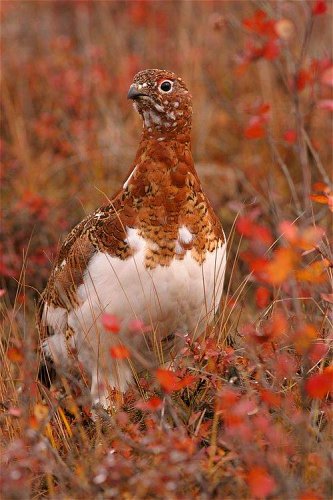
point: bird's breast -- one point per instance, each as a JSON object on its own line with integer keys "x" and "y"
{"x": 182, "y": 295}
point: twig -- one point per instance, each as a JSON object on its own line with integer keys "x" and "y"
{"x": 316, "y": 158}
{"x": 287, "y": 175}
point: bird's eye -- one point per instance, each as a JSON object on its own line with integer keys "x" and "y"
{"x": 166, "y": 86}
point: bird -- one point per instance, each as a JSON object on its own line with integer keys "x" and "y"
{"x": 155, "y": 255}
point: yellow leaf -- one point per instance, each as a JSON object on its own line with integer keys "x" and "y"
{"x": 304, "y": 337}
{"x": 281, "y": 265}
{"x": 319, "y": 198}
{"x": 314, "y": 273}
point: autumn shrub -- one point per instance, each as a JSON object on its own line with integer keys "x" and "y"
{"x": 245, "y": 412}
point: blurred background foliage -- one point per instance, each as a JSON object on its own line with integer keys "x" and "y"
{"x": 69, "y": 134}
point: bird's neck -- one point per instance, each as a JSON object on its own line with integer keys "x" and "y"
{"x": 162, "y": 134}
{"x": 162, "y": 168}
{"x": 165, "y": 154}
{"x": 167, "y": 126}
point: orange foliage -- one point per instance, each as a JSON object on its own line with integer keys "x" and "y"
{"x": 313, "y": 273}
{"x": 261, "y": 483}
{"x": 281, "y": 266}
{"x": 262, "y": 297}
{"x": 319, "y": 385}
{"x": 254, "y": 421}
{"x": 304, "y": 337}
{"x": 119, "y": 352}
{"x": 320, "y": 7}
{"x": 111, "y": 323}
{"x": 170, "y": 382}
{"x": 15, "y": 355}
{"x": 322, "y": 194}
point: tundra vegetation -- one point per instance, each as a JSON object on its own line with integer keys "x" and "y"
{"x": 245, "y": 412}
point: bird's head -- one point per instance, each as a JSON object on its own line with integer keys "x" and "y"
{"x": 163, "y": 101}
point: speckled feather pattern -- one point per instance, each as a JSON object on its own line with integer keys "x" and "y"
{"x": 161, "y": 214}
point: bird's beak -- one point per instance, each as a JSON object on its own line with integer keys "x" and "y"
{"x": 134, "y": 93}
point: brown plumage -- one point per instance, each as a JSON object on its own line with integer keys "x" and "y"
{"x": 158, "y": 237}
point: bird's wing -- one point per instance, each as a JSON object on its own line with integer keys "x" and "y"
{"x": 104, "y": 231}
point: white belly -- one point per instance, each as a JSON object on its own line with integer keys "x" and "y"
{"x": 177, "y": 299}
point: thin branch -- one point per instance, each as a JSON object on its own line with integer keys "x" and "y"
{"x": 316, "y": 158}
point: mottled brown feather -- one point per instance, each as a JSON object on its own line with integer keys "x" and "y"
{"x": 163, "y": 194}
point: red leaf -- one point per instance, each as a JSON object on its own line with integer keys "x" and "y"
{"x": 302, "y": 79}
{"x": 319, "y": 385}
{"x": 250, "y": 229}
{"x": 167, "y": 379}
{"x": 33, "y": 422}
{"x": 139, "y": 13}
{"x": 255, "y": 129}
{"x": 304, "y": 337}
{"x": 186, "y": 381}
{"x": 254, "y": 334}
{"x": 318, "y": 351}
{"x": 276, "y": 325}
{"x": 326, "y": 104}
{"x": 111, "y": 323}
{"x": 271, "y": 50}
{"x": 262, "y": 297}
{"x": 290, "y": 136}
{"x": 305, "y": 239}
{"x": 263, "y": 234}
{"x": 170, "y": 382}
{"x": 270, "y": 398}
{"x": 327, "y": 76}
{"x": 260, "y": 482}
{"x": 319, "y": 8}
{"x": 244, "y": 226}
{"x": 288, "y": 230}
{"x": 319, "y": 198}
{"x": 138, "y": 326}
{"x": 323, "y": 194}
{"x": 259, "y": 267}
{"x": 260, "y": 25}
{"x": 15, "y": 355}
{"x": 321, "y": 187}
{"x": 153, "y": 404}
{"x": 273, "y": 328}
{"x": 257, "y": 22}
{"x": 286, "y": 366}
{"x": 227, "y": 398}
{"x": 262, "y": 109}
{"x": 119, "y": 352}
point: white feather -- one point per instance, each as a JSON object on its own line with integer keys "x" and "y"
{"x": 185, "y": 235}
{"x": 129, "y": 178}
{"x": 180, "y": 298}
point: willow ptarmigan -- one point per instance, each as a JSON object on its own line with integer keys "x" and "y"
{"x": 155, "y": 255}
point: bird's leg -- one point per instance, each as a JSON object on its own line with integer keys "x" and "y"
{"x": 99, "y": 392}
{"x": 56, "y": 348}
{"x": 108, "y": 387}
